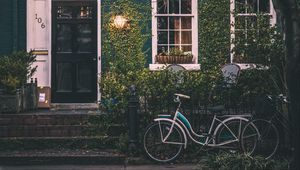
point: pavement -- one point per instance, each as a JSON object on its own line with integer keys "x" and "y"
{"x": 103, "y": 167}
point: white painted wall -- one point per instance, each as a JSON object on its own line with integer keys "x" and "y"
{"x": 39, "y": 37}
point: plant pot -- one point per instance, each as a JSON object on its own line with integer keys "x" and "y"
{"x": 174, "y": 59}
{"x": 29, "y": 97}
{"x": 11, "y": 103}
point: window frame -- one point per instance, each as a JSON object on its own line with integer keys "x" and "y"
{"x": 194, "y": 29}
{"x": 273, "y": 19}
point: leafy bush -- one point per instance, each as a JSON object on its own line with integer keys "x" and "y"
{"x": 15, "y": 69}
{"x": 238, "y": 161}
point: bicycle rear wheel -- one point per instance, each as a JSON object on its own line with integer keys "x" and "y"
{"x": 228, "y": 135}
{"x": 267, "y": 138}
{"x": 161, "y": 151}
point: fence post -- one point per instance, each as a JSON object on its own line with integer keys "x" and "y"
{"x": 132, "y": 120}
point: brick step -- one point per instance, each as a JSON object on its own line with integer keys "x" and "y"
{"x": 43, "y": 119}
{"x": 62, "y": 156}
{"x": 83, "y": 142}
{"x": 61, "y": 130}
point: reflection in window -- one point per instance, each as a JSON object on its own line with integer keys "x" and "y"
{"x": 64, "y": 77}
{"x": 84, "y": 37}
{"x": 64, "y": 38}
{"x": 64, "y": 12}
{"x": 84, "y": 12}
{"x": 174, "y": 6}
{"x": 248, "y": 15}
{"x": 174, "y": 31}
{"x": 84, "y": 79}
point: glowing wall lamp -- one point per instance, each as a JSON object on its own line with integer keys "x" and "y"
{"x": 120, "y": 22}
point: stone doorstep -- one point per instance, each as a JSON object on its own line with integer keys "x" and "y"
{"x": 62, "y": 156}
{"x": 74, "y": 106}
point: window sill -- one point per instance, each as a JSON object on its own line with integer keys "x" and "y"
{"x": 191, "y": 67}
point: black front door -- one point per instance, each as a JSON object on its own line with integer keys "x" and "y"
{"x": 74, "y": 51}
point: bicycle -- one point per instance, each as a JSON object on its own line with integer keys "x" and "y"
{"x": 264, "y": 139}
{"x": 168, "y": 134}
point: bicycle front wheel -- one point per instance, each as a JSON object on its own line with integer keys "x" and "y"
{"x": 267, "y": 138}
{"x": 159, "y": 150}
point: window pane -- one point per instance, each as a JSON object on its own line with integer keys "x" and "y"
{"x": 174, "y": 7}
{"x": 240, "y": 22}
{"x": 252, "y": 6}
{"x": 162, "y": 37}
{"x": 240, "y": 6}
{"x": 64, "y": 12}
{"x": 264, "y": 6}
{"x": 162, "y": 6}
{"x": 174, "y": 22}
{"x": 83, "y": 80}
{"x": 84, "y": 12}
{"x": 64, "y": 38}
{"x": 84, "y": 37}
{"x": 187, "y": 48}
{"x": 174, "y": 37}
{"x": 162, "y": 22}
{"x": 186, "y": 22}
{"x": 161, "y": 49}
{"x": 64, "y": 77}
{"x": 251, "y": 22}
{"x": 186, "y": 6}
{"x": 186, "y": 37}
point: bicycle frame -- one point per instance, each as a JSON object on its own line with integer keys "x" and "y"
{"x": 185, "y": 127}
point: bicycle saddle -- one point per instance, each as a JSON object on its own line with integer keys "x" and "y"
{"x": 182, "y": 95}
{"x": 216, "y": 109}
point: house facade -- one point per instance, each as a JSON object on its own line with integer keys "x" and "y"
{"x": 66, "y": 37}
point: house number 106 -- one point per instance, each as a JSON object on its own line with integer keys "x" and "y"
{"x": 40, "y": 21}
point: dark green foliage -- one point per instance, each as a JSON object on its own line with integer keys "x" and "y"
{"x": 123, "y": 48}
{"x": 214, "y": 33}
{"x": 15, "y": 69}
{"x": 236, "y": 161}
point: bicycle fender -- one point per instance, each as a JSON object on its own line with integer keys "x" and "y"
{"x": 227, "y": 120}
{"x": 175, "y": 123}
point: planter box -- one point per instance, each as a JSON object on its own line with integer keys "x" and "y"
{"x": 25, "y": 99}
{"x": 174, "y": 59}
{"x": 11, "y": 103}
{"x": 29, "y": 97}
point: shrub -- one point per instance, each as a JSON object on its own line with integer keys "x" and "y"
{"x": 15, "y": 69}
{"x": 238, "y": 161}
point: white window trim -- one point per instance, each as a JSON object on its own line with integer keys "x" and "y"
{"x": 232, "y": 24}
{"x": 195, "y": 66}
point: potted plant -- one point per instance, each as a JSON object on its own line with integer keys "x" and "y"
{"x": 174, "y": 56}
{"x": 15, "y": 70}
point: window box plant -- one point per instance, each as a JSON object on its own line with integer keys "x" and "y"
{"x": 15, "y": 70}
{"x": 174, "y": 56}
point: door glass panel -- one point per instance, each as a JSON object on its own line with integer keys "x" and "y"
{"x": 64, "y": 77}
{"x": 64, "y": 38}
{"x": 84, "y": 79}
{"x": 186, "y": 6}
{"x": 84, "y": 12}
{"x": 64, "y": 12}
{"x": 84, "y": 37}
